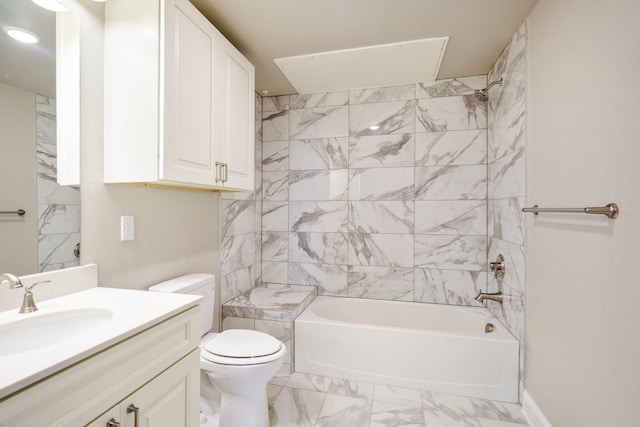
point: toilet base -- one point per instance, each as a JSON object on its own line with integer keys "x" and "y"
{"x": 245, "y": 408}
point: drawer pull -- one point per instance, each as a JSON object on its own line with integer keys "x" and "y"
{"x": 112, "y": 423}
{"x": 133, "y": 408}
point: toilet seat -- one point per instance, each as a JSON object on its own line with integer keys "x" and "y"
{"x": 242, "y": 347}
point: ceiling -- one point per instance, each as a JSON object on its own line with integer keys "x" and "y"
{"x": 30, "y": 67}
{"x": 264, "y": 30}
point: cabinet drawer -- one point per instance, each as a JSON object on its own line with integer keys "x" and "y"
{"x": 75, "y": 395}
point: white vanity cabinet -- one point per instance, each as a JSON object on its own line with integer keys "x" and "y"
{"x": 155, "y": 371}
{"x": 179, "y": 99}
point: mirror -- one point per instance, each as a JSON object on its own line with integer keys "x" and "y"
{"x": 32, "y": 123}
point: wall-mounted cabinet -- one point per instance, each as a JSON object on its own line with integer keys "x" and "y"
{"x": 179, "y": 99}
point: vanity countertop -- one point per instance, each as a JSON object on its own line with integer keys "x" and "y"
{"x": 121, "y": 313}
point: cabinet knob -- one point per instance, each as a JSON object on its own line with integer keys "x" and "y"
{"x": 133, "y": 408}
{"x": 112, "y": 423}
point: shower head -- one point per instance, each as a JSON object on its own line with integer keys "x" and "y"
{"x": 483, "y": 94}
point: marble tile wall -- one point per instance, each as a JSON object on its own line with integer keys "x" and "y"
{"x": 58, "y": 205}
{"x": 378, "y": 193}
{"x": 506, "y": 190}
{"x": 240, "y": 234}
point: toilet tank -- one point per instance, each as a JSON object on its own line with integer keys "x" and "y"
{"x": 195, "y": 284}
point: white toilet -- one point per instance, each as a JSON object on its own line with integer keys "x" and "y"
{"x": 238, "y": 362}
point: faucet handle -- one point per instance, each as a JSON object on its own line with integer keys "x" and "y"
{"x": 28, "y": 305}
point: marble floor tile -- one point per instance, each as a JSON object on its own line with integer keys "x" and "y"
{"x": 340, "y": 411}
{"x": 392, "y": 415}
{"x": 397, "y": 395}
{"x": 351, "y": 388}
{"x": 498, "y": 411}
{"x": 493, "y": 423}
{"x": 445, "y": 410}
{"x": 295, "y": 407}
{"x": 309, "y": 382}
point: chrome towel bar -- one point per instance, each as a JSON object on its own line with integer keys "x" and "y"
{"x": 611, "y": 210}
{"x": 19, "y": 212}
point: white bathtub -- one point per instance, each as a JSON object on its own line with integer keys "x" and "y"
{"x": 426, "y": 346}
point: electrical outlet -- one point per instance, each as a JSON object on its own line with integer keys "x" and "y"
{"x": 126, "y": 228}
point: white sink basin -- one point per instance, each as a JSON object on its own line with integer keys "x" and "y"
{"x": 48, "y": 329}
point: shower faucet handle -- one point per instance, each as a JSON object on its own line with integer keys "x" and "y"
{"x": 497, "y": 267}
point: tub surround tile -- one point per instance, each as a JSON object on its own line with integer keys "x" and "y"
{"x": 275, "y": 216}
{"x": 386, "y": 283}
{"x": 318, "y": 100}
{"x": 238, "y": 217}
{"x": 503, "y": 174}
{"x": 275, "y": 103}
{"x": 275, "y": 155}
{"x": 381, "y": 250}
{"x": 463, "y": 217}
{"x": 451, "y": 252}
{"x": 382, "y": 94}
{"x": 57, "y": 250}
{"x": 274, "y": 272}
{"x": 321, "y": 216}
{"x": 329, "y": 279}
{"x": 238, "y": 252}
{"x": 381, "y": 184}
{"x": 451, "y": 183}
{"x": 49, "y": 192}
{"x": 382, "y": 217}
{"x": 319, "y": 122}
{"x": 506, "y": 219}
{"x": 451, "y": 87}
{"x": 381, "y": 151}
{"x": 466, "y": 147}
{"x": 450, "y": 114}
{"x": 275, "y": 126}
{"x": 318, "y": 248}
{"x": 238, "y": 323}
{"x": 319, "y": 153}
{"x": 387, "y": 117}
{"x": 318, "y": 185}
{"x": 339, "y": 411}
{"x": 275, "y": 186}
{"x": 57, "y": 219}
{"x": 275, "y": 246}
{"x": 455, "y": 287}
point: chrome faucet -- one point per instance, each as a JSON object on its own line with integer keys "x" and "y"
{"x": 28, "y": 305}
{"x": 494, "y": 296}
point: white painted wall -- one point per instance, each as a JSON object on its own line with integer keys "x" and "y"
{"x": 18, "y": 234}
{"x": 583, "y": 291}
{"x": 176, "y": 231}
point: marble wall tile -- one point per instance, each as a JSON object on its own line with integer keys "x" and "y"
{"x": 451, "y": 252}
{"x": 321, "y": 153}
{"x": 451, "y": 87}
{"x": 381, "y": 250}
{"x": 505, "y": 176}
{"x": 275, "y": 155}
{"x": 466, "y": 147}
{"x": 318, "y": 185}
{"x": 275, "y": 246}
{"x": 275, "y": 272}
{"x": 240, "y": 251}
{"x": 279, "y": 330}
{"x": 508, "y": 134}
{"x": 330, "y": 279}
{"x": 318, "y": 100}
{"x": 275, "y": 216}
{"x": 318, "y": 248}
{"x": 450, "y": 113}
{"x": 382, "y": 94}
{"x": 381, "y": 216}
{"x": 58, "y": 219}
{"x": 451, "y": 183}
{"x": 388, "y": 283}
{"x": 465, "y": 217}
{"x": 388, "y": 117}
{"x": 275, "y": 186}
{"x": 49, "y": 192}
{"x": 57, "y": 249}
{"x": 381, "y": 151}
{"x": 275, "y": 103}
{"x": 506, "y": 219}
{"x": 319, "y": 122}
{"x": 381, "y": 184}
{"x": 326, "y": 217}
{"x": 237, "y": 217}
{"x": 275, "y": 126}
{"x": 456, "y": 287}
{"x": 239, "y": 281}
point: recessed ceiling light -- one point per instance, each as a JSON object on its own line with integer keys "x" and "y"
{"x": 22, "y": 35}
{"x": 51, "y": 5}
{"x": 374, "y": 127}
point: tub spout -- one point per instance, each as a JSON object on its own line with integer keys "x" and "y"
{"x": 494, "y": 296}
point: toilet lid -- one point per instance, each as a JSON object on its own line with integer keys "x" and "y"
{"x": 242, "y": 345}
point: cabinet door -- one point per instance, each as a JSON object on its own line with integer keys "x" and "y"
{"x": 169, "y": 400}
{"x": 187, "y": 153}
{"x": 235, "y": 115}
